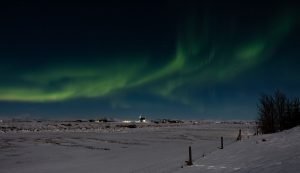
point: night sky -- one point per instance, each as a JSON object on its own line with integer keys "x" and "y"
{"x": 165, "y": 59}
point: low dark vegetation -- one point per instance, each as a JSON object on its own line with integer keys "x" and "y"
{"x": 277, "y": 112}
{"x": 127, "y": 126}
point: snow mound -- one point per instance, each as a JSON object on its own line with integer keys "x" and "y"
{"x": 272, "y": 153}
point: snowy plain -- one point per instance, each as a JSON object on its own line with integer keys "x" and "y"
{"x": 148, "y": 148}
{"x": 272, "y": 153}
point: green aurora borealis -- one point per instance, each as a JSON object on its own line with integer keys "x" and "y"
{"x": 211, "y": 59}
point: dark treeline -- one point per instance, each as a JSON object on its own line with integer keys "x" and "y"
{"x": 277, "y": 112}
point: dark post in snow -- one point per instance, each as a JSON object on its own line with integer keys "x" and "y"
{"x": 190, "y": 162}
{"x": 239, "y": 136}
{"x": 222, "y": 143}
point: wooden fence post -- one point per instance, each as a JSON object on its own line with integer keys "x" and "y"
{"x": 222, "y": 143}
{"x": 190, "y": 162}
{"x": 239, "y": 136}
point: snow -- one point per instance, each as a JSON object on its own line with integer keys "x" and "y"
{"x": 147, "y": 148}
{"x": 267, "y": 153}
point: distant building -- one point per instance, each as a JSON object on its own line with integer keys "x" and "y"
{"x": 142, "y": 119}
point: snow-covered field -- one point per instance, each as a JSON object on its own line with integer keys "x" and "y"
{"x": 109, "y": 147}
{"x": 273, "y": 153}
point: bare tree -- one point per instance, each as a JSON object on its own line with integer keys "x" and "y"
{"x": 266, "y": 114}
{"x": 277, "y": 112}
{"x": 280, "y": 102}
{"x": 295, "y": 115}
